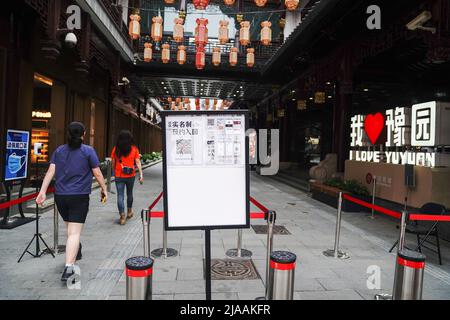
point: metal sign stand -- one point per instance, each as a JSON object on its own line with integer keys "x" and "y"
{"x": 374, "y": 191}
{"x": 208, "y": 264}
{"x": 270, "y": 216}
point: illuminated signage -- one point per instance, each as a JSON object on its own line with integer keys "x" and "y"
{"x": 423, "y": 125}
{"x": 41, "y": 114}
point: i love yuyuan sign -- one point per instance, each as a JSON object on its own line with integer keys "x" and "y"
{"x": 404, "y": 135}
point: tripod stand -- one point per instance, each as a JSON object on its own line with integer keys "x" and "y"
{"x": 37, "y": 234}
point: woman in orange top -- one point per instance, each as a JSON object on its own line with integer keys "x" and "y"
{"x": 125, "y": 157}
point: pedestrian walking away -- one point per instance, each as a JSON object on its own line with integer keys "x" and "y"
{"x": 73, "y": 165}
{"x": 125, "y": 156}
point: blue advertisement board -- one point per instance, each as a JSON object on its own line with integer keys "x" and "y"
{"x": 17, "y": 148}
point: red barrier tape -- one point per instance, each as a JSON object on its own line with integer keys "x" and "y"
{"x": 29, "y": 197}
{"x": 253, "y": 215}
{"x": 426, "y": 217}
{"x": 371, "y": 206}
{"x": 258, "y": 205}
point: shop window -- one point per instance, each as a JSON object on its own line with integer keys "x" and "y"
{"x": 41, "y": 114}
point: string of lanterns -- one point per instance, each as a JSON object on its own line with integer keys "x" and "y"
{"x": 201, "y": 35}
{"x": 201, "y": 40}
{"x": 180, "y": 104}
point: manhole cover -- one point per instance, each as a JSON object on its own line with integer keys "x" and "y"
{"x": 262, "y": 229}
{"x": 233, "y": 269}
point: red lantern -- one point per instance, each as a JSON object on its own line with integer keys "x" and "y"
{"x": 233, "y": 56}
{"x": 216, "y": 56}
{"x": 197, "y": 104}
{"x": 134, "y": 29}
{"x": 206, "y": 104}
{"x": 229, "y": 2}
{"x": 169, "y": 1}
{"x": 214, "y": 104}
{"x": 260, "y": 3}
{"x": 157, "y": 29}
{"x": 165, "y": 54}
{"x": 200, "y": 58}
{"x": 147, "y": 52}
{"x": 244, "y": 33}
{"x": 201, "y": 32}
{"x": 178, "y": 30}
{"x": 187, "y": 104}
{"x": 250, "y": 57}
{"x": 291, "y": 5}
{"x": 266, "y": 33}
{"x": 181, "y": 55}
{"x": 200, "y": 4}
{"x": 223, "y": 31}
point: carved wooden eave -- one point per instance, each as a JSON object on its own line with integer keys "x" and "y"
{"x": 50, "y": 45}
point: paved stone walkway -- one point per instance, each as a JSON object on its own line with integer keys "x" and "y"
{"x": 106, "y": 245}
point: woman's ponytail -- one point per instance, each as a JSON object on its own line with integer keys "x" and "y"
{"x": 75, "y": 133}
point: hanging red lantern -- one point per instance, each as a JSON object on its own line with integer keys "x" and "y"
{"x": 233, "y": 56}
{"x": 201, "y": 32}
{"x": 165, "y": 53}
{"x": 134, "y": 29}
{"x": 178, "y": 30}
{"x": 291, "y": 4}
{"x": 148, "y": 52}
{"x": 229, "y": 2}
{"x": 200, "y": 58}
{"x": 206, "y": 104}
{"x": 244, "y": 33}
{"x": 250, "y": 57}
{"x": 266, "y": 33}
{"x": 260, "y": 3}
{"x": 223, "y": 31}
{"x": 216, "y": 56}
{"x": 214, "y": 104}
{"x": 197, "y": 104}
{"x": 173, "y": 106}
{"x": 187, "y": 104}
{"x": 181, "y": 55}
{"x": 200, "y": 4}
{"x": 169, "y": 1}
{"x": 157, "y": 29}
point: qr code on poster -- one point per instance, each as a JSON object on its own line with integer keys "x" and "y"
{"x": 184, "y": 146}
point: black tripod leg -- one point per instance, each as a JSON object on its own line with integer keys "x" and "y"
{"x": 26, "y": 249}
{"x": 49, "y": 250}
{"x": 395, "y": 244}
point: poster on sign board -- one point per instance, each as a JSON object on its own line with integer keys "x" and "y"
{"x": 206, "y": 179}
{"x": 16, "y": 155}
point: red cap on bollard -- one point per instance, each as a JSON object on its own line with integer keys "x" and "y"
{"x": 411, "y": 259}
{"x": 139, "y": 267}
{"x": 282, "y": 260}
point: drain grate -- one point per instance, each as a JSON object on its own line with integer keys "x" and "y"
{"x": 262, "y": 229}
{"x": 233, "y": 269}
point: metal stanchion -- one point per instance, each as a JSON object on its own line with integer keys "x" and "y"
{"x": 336, "y": 253}
{"x": 108, "y": 173}
{"x": 401, "y": 237}
{"x": 139, "y": 272}
{"x": 145, "y": 216}
{"x": 164, "y": 251}
{"x": 270, "y": 217}
{"x": 281, "y": 275}
{"x": 56, "y": 247}
{"x": 239, "y": 252}
{"x": 374, "y": 191}
{"x": 408, "y": 279}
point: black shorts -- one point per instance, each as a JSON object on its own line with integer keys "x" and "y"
{"x": 73, "y": 208}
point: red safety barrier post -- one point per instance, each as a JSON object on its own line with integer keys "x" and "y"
{"x": 336, "y": 253}
{"x": 281, "y": 275}
{"x": 139, "y": 271}
{"x": 408, "y": 279}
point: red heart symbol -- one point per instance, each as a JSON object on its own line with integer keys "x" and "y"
{"x": 374, "y": 125}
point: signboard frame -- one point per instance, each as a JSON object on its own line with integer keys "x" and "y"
{"x": 246, "y": 225}
{"x": 4, "y": 179}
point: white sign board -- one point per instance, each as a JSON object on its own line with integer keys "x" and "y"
{"x": 206, "y": 182}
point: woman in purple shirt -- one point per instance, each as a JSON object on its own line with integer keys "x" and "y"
{"x": 73, "y": 165}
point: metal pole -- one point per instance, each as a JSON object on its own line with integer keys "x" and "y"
{"x": 108, "y": 174}
{"x": 271, "y": 216}
{"x": 239, "y": 243}
{"x": 164, "y": 251}
{"x": 145, "y": 215}
{"x": 374, "y": 191}
{"x": 336, "y": 253}
{"x": 208, "y": 264}
{"x": 55, "y": 227}
{"x": 401, "y": 238}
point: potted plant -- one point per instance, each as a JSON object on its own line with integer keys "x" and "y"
{"x": 328, "y": 192}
